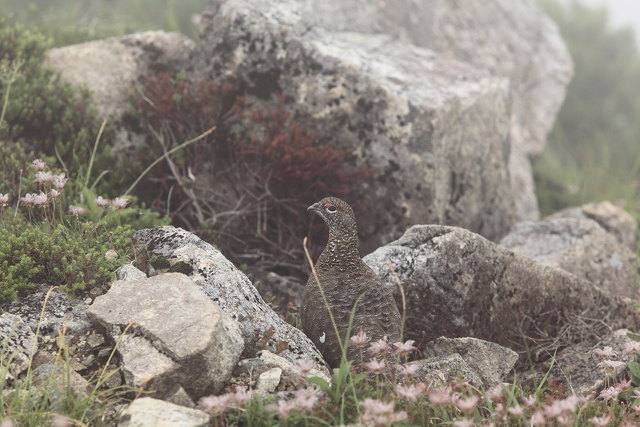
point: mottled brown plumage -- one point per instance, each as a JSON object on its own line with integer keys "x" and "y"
{"x": 345, "y": 277}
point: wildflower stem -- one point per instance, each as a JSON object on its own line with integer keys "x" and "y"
{"x": 159, "y": 159}
{"x": 93, "y": 154}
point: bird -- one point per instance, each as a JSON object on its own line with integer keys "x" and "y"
{"x": 345, "y": 279}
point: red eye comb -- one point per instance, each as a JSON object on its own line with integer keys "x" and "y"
{"x": 327, "y": 205}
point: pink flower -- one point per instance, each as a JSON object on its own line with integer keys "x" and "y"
{"x": 530, "y": 401}
{"x": 305, "y": 366}
{"x": 377, "y": 413}
{"x": 464, "y": 422}
{"x": 120, "y": 203}
{"x": 4, "y": 200}
{"x": 38, "y": 164}
{"x": 562, "y": 407}
{"x": 360, "y": 340}
{"x": 609, "y": 393}
{"x": 40, "y": 199}
{"x": 411, "y": 392}
{"x": 28, "y": 199}
{"x": 467, "y": 404}
{"x": 44, "y": 177}
{"x": 59, "y": 181}
{"x": 77, "y": 211}
{"x": 286, "y": 406}
{"x": 605, "y": 352}
{"x": 440, "y": 396}
{"x": 600, "y": 421}
{"x": 101, "y": 202}
{"x": 408, "y": 370}
{"x": 305, "y": 398}
{"x": 379, "y": 347}
{"x": 215, "y": 404}
{"x": 516, "y": 411}
{"x": 375, "y": 365}
{"x": 495, "y": 393}
{"x": 611, "y": 364}
{"x": 241, "y": 395}
{"x": 404, "y": 348}
{"x": 538, "y": 419}
{"x": 631, "y": 347}
{"x": 54, "y": 194}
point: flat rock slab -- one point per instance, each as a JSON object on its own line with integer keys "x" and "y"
{"x": 492, "y": 362}
{"x": 149, "y": 412}
{"x": 434, "y": 130}
{"x": 581, "y": 247}
{"x": 179, "y": 321}
{"x": 459, "y": 284}
{"x": 233, "y": 292}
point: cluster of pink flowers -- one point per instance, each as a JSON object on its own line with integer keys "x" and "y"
{"x": 32, "y": 199}
{"x": 304, "y": 399}
{"x": 378, "y": 413}
{"x": 220, "y": 404}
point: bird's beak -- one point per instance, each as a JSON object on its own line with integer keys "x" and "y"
{"x": 315, "y": 208}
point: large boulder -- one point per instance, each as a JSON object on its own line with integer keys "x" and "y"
{"x": 149, "y": 412}
{"x": 232, "y": 291}
{"x": 459, "y": 284}
{"x": 110, "y": 68}
{"x": 581, "y": 247}
{"x": 506, "y": 38}
{"x": 18, "y": 344}
{"x": 184, "y": 337}
{"x": 434, "y": 130}
{"x": 612, "y": 218}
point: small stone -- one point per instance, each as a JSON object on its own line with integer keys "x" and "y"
{"x": 179, "y": 396}
{"x": 95, "y": 340}
{"x": 269, "y": 380}
{"x": 149, "y": 412}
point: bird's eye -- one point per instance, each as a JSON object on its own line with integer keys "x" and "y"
{"x": 331, "y": 209}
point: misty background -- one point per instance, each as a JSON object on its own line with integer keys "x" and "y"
{"x": 593, "y": 153}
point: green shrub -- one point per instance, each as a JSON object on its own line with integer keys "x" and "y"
{"x": 74, "y": 257}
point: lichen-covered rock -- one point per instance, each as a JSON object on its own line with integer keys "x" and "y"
{"x": 505, "y": 38}
{"x": 17, "y": 343}
{"x": 612, "y": 218}
{"x": 190, "y": 340}
{"x": 60, "y": 311}
{"x": 232, "y": 291}
{"x": 581, "y": 247}
{"x": 438, "y": 371}
{"x": 459, "y": 284}
{"x": 492, "y": 362}
{"x": 580, "y": 366}
{"x": 111, "y": 67}
{"x": 434, "y": 130}
{"x": 149, "y": 412}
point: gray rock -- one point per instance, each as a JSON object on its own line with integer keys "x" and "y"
{"x": 60, "y": 311}
{"x": 17, "y": 343}
{"x": 180, "y": 322}
{"x": 438, "y": 371}
{"x": 231, "y": 290}
{"x": 145, "y": 366}
{"x": 612, "y": 218}
{"x": 577, "y": 366}
{"x": 460, "y": 284}
{"x": 129, "y": 272}
{"x": 269, "y": 380}
{"x": 435, "y": 130}
{"x": 110, "y": 68}
{"x": 505, "y": 38}
{"x": 179, "y": 396}
{"x": 57, "y": 380}
{"x": 581, "y": 247}
{"x": 149, "y": 412}
{"x": 492, "y": 362}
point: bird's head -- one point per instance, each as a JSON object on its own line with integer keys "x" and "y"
{"x": 337, "y": 214}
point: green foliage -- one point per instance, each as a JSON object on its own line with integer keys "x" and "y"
{"x": 47, "y": 116}
{"x": 73, "y": 257}
{"x": 593, "y": 150}
{"x": 68, "y": 22}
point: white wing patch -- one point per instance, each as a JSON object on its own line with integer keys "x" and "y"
{"x": 323, "y": 337}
